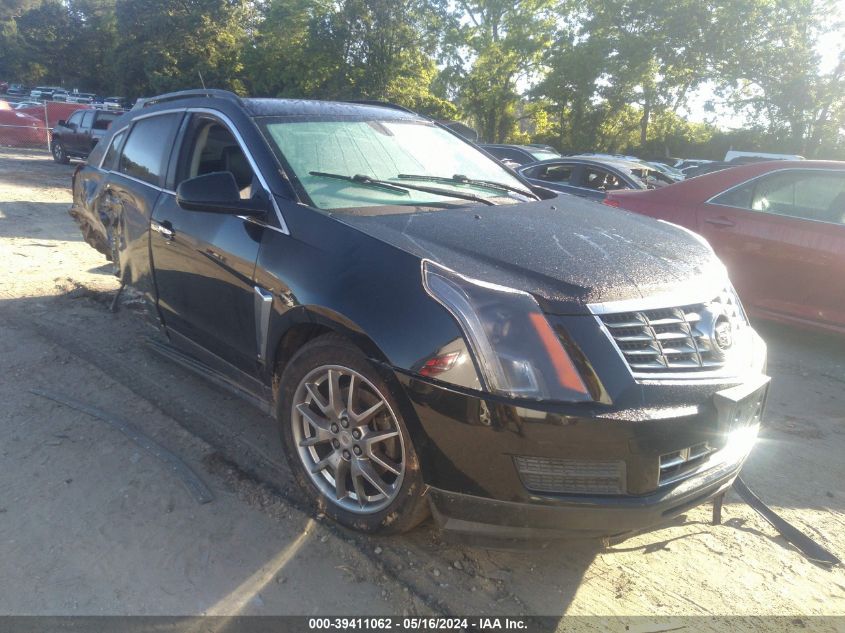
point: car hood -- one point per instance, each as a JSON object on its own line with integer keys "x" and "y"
{"x": 566, "y": 251}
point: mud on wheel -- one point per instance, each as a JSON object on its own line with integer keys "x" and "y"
{"x": 346, "y": 440}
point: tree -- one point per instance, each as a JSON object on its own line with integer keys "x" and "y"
{"x": 493, "y": 48}
{"x": 611, "y": 54}
{"x": 166, "y": 45}
{"x": 776, "y": 80}
{"x": 352, "y": 49}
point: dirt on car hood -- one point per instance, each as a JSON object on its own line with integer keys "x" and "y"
{"x": 566, "y": 251}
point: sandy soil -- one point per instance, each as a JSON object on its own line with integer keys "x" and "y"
{"x": 89, "y": 523}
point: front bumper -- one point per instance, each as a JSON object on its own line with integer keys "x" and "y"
{"x": 470, "y": 448}
{"x": 575, "y": 517}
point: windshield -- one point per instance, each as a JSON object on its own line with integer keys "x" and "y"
{"x": 409, "y": 153}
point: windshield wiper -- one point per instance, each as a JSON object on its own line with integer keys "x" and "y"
{"x": 403, "y": 188}
{"x": 463, "y": 180}
{"x": 360, "y": 179}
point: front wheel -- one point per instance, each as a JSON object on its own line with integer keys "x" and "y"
{"x": 346, "y": 441}
{"x": 59, "y": 154}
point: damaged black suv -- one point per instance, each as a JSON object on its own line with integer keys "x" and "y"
{"x": 433, "y": 333}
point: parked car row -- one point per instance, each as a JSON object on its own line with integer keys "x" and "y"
{"x": 40, "y": 94}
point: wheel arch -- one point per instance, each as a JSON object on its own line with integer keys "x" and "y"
{"x": 302, "y": 324}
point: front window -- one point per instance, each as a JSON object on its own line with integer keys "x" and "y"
{"x": 401, "y": 154}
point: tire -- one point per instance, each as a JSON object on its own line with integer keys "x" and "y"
{"x": 58, "y": 151}
{"x": 368, "y": 443}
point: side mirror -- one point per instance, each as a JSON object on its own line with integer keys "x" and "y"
{"x": 217, "y": 192}
{"x": 61, "y": 123}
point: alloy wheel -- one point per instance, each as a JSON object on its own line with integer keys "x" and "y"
{"x": 348, "y": 439}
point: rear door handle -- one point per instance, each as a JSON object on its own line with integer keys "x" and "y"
{"x": 165, "y": 229}
{"x": 723, "y": 222}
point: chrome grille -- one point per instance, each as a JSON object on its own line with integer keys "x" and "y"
{"x": 676, "y": 339}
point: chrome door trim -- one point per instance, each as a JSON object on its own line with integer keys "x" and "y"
{"x": 263, "y": 300}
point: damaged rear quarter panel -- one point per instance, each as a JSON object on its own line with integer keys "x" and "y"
{"x": 88, "y": 184}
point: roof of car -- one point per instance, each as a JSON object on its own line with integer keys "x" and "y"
{"x": 306, "y": 107}
{"x": 527, "y": 148}
{"x": 607, "y": 162}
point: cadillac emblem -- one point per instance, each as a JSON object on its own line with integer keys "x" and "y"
{"x": 722, "y": 335}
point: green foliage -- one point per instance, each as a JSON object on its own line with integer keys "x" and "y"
{"x": 591, "y": 75}
{"x": 776, "y": 79}
{"x": 352, "y": 49}
{"x": 165, "y": 45}
{"x": 490, "y": 48}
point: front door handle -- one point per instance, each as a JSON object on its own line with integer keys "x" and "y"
{"x": 721, "y": 222}
{"x": 165, "y": 229}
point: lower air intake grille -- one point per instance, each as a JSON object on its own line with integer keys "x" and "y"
{"x": 563, "y": 476}
{"x": 679, "y": 339}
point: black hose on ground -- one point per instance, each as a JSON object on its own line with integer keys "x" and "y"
{"x": 807, "y": 546}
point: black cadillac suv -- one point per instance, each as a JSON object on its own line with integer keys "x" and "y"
{"x": 431, "y": 332}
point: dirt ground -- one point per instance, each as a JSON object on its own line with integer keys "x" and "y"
{"x": 90, "y": 523}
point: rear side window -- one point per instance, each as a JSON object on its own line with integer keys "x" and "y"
{"x": 738, "y": 197}
{"x": 86, "y": 120}
{"x": 114, "y": 148}
{"x": 555, "y": 173}
{"x": 149, "y": 144}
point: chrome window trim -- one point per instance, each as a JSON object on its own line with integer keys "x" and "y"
{"x": 138, "y": 180}
{"x": 149, "y": 115}
{"x": 283, "y": 227}
{"x": 768, "y": 173}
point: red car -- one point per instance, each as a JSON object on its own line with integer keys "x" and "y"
{"x": 778, "y": 226}
{"x": 19, "y": 129}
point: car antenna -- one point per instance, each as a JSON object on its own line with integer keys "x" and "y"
{"x": 199, "y": 72}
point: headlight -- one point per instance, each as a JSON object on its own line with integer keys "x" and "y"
{"x": 518, "y": 352}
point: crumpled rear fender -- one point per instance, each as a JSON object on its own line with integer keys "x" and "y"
{"x": 88, "y": 214}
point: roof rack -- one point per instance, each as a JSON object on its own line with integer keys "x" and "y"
{"x": 383, "y": 104}
{"x": 188, "y": 94}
